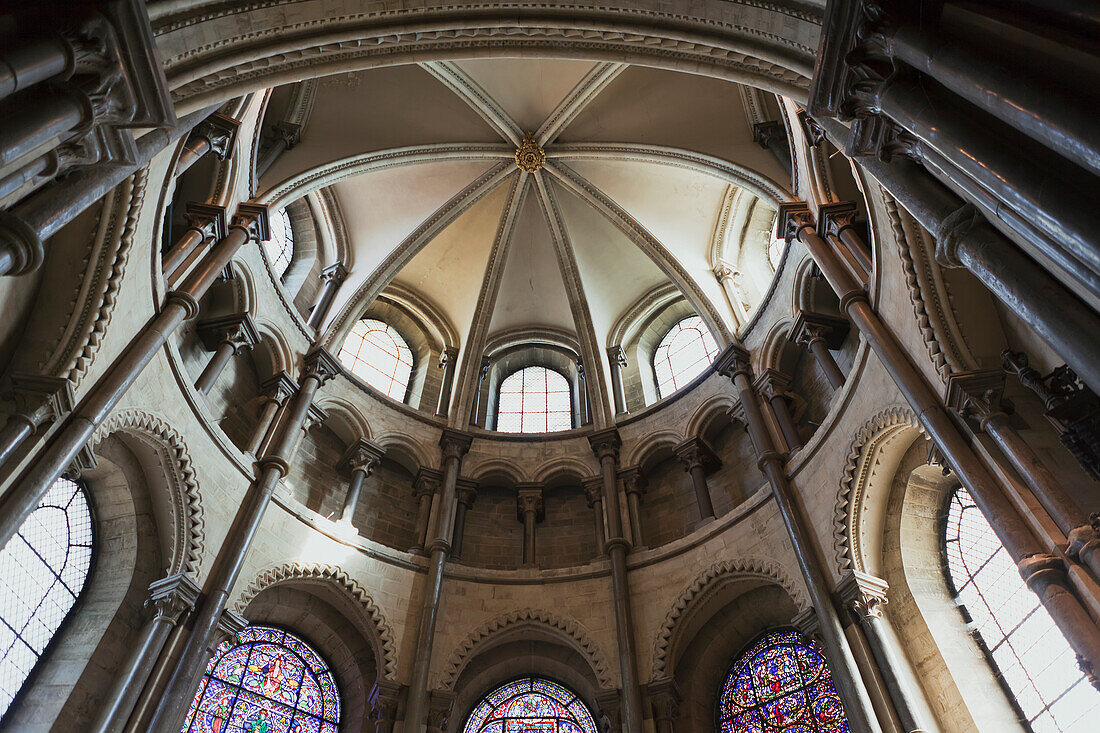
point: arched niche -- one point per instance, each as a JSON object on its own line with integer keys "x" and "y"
{"x": 561, "y": 355}
{"x": 566, "y": 537}
{"x": 493, "y": 536}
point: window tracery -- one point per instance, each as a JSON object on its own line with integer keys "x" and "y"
{"x": 1027, "y": 650}
{"x": 683, "y": 354}
{"x": 530, "y": 704}
{"x": 780, "y": 684}
{"x": 279, "y": 245}
{"x": 534, "y": 400}
{"x": 265, "y": 680}
{"x": 775, "y": 252}
{"x": 43, "y": 571}
{"x": 376, "y": 353}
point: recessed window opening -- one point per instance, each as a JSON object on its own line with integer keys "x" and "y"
{"x": 534, "y": 400}
{"x": 685, "y": 351}
{"x": 280, "y": 244}
{"x": 775, "y": 252}
{"x": 376, "y": 353}
{"x": 1028, "y": 651}
{"x": 530, "y": 704}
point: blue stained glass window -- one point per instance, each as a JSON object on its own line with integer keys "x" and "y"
{"x": 265, "y": 680}
{"x": 780, "y": 684}
{"x": 530, "y": 704}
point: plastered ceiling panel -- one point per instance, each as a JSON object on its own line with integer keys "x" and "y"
{"x": 527, "y": 89}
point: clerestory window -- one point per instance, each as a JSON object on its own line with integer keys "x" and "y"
{"x": 531, "y": 704}
{"x": 534, "y": 400}
{"x": 376, "y": 353}
{"x": 280, "y": 242}
{"x": 685, "y": 351}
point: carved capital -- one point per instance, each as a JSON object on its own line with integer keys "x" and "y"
{"x": 695, "y": 453}
{"x": 633, "y": 481}
{"x": 616, "y": 355}
{"x": 529, "y": 501}
{"x": 593, "y": 490}
{"x": 384, "y": 700}
{"x": 764, "y": 133}
{"x": 466, "y": 492}
{"x": 665, "y": 698}
{"x": 334, "y": 273}
{"x": 852, "y": 59}
{"x": 40, "y": 399}
{"x": 609, "y": 712}
{"x": 953, "y": 228}
{"x": 229, "y": 625}
{"x": 606, "y": 444}
{"x": 863, "y": 594}
{"x": 792, "y": 217}
{"x": 253, "y": 219}
{"x": 976, "y": 394}
{"x": 169, "y": 598}
{"x": 447, "y": 356}
{"x": 237, "y": 330}
{"x": 362, "y": 455}
{"x": 321, "y": 365}
{"x": 834, "y": 218}
{"x": 875, "y": 135}
{"x": 440, "y": 705}
{"x": 315, "y": 416}
{"x": 427, "y": 482}
{"x": 289, "y": 133}
{"x": 220, "y": 131}
{"x": 809, "y": 327}
{"x": 772, "y": 383}
{"x": 209, "y": 219}
{"x": 734, "y": 360}
{"x": 279, "y": 387}
{"x": 815, "y": 133}
{"x": 454, "y": 443}
{"x": 807, "y": 624}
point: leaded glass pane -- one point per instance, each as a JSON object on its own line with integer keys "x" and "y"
{"x": 530, "y": 704}
{"x": 43, "y": 570}
{"x": 265, "y": 681}
{"x": 279, "y": 245}
{"x": 780, "y": 685}
{"x": 376, "y": 353}
{"x": 534, "y": 400}
{"x": 685, "y": 351}
{"x": 1028, "y": 651}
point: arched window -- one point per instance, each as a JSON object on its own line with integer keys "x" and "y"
{"x": 530, "y": 704}
{"x": 376, "y": 353}
{"x": 43, "y": 570}
{"x": 534, "y": 400}
{"x": 265, "y": 675}
{"x": 683, "y": 353}
{"x": 780, "y": 684}
{"x": 1028, "y": 651}
{"x": 775, "y": 252}
{"x": 280, "y": 244}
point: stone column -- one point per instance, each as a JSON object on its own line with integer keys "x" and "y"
{"x": 482, "y": 374}
{"x": 38, "y": 401}
{"x": 582, "y": 396}
{"x": 169, "y": 598}
{"x": 226, "y": 336}
{"x": 838, "y": 221}
{"x": 730, "y": 280}
{"x": 530, "y": 508}
{"x": 332, "y": 277}
{"x": 25, "y": 494}
{"x": 276, "y": 390}
{"x": 616, "y": 357}
{"x": 361, "y": 457}
{"x": 425, "y": 486}
{"x": 1044, "y": 573}
{"x": 320, "y": 366}
{"x": 287, "y": 135}
{"x": 734, "y": 363}
{"x": 465, "y": 494}
{"x": 216, "y": 134}
{"x": 593, "y": 494}
{"x": 698, "y": 460}
{"x": 384, "y": 699}
{"x": 664, "y": 699}
{"x": 819, "y": 333}
{"x": 773, "y": 386}
{"x": 447, "y": 360}
{"x": 864, "y": 596}
{"x": 205, "y": 222}
{"x": 606, "y": 445}
{"x": 454, "y": 445}
{"x": 634, "y": 486}
{"x": 773, "y": 136}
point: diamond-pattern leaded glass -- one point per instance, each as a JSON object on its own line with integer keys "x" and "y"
{"x": 530, "y": 705}
{"x": 43, "y": 570}
{"x": 780, "y": 684}
{"x": 376, "y": 353}
{"x": 683, "y": 354}
{"x": 265, "y": 680}
{"x": 1028, "y": 650}
{"x": 279, "y": 246}
{"x": 534, "y": 400}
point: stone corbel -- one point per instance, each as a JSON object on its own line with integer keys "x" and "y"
{"x": 39, "y": 400}
{"x": 863, "y": 594}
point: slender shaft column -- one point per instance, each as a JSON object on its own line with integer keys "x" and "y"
{"x": 634, "y": 486}
{"x": 839, "y": 221}
{"x": 773, "y": 386}
{"x": 320, "y": 366}
{"x": 204, "y": 222}
{"x": 43, "y": 117}
{"x": 465, "y": 494}
{"x": 482, "y": 375}
{"x": 730, "y": 280}
{"x": 447, "y": 359}
{"x": 606, "y": 446}
{"x": 169, "y": 599}
{"x": 180, "y": 306}
{"x": 582, "y": 396}
{"x": 287, "y": 135}
{"x": 593, "y": 494}
{"x": 820, "y": 333}
{"x": 217, "y": 134}
{"x": 530, "y": 508}
{"x": 616, "y": 357}
{"x": 276, "y": 390}
{"x": 857, "y": 702}
{"x": 1045, "y": 574}
{"x": 425, "y": 487}
{"x": 30, "y": 63}
{"x": 229, "y": 335}
{"x": 38, "y": 400}
{"x": 454, "y": 445}
{"x": 361, "y": 457}
{"x": 698, "y": 460}
{"x": 332, "y": 277}
{"x": 864, "y": 596}
{"x": 664, "y": 699}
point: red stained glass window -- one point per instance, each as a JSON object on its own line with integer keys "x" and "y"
{"x": 376, "y": 353}
{"x": 534, "y": 400}
{"x": 685, "y": 351}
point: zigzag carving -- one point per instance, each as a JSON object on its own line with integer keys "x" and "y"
{"x": 189, "y": 535}
{"x": 703, "y": 585}
{"x": 316, "y": 571}
{"x": 571, "y": 628}
{"x": 853, "y": 481}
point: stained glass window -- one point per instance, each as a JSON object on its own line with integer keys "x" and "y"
{"x": 780, "y": 684}
{"x": 775, "y": 252}
{"x": 265, "y": 680}
{"x": 376, "y": 352}
{"x": 534, "y": 400}
{"x": 530, "y": 705}
{"x": 280, "y": 244}
{"x": 683, "y": 353}
{"x": 1029, "y": 652}
{"x": 43, "y": 570}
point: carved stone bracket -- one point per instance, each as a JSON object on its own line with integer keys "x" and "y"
{"x": 863, "y": 594}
